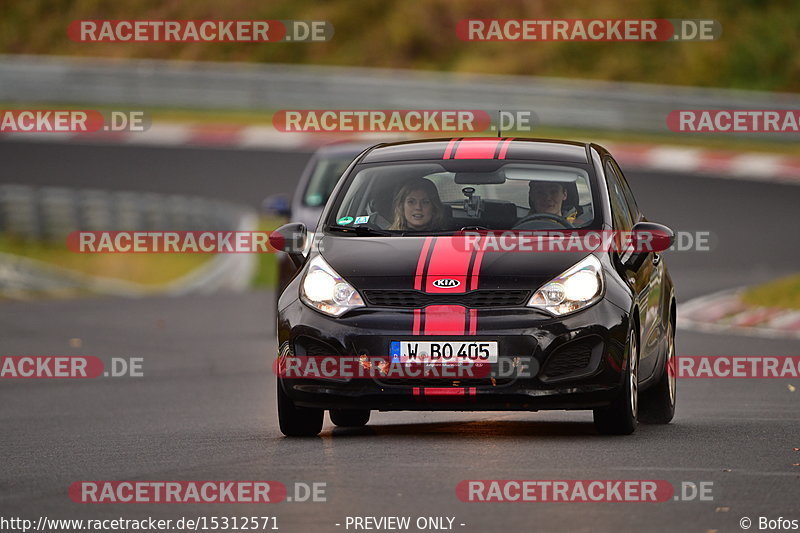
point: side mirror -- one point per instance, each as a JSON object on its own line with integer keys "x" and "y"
{"x": 291, "y": 238}
{"x": 277, "y": 204}
{"x": 648, "y": 237}
{"x": 651, "y": 237}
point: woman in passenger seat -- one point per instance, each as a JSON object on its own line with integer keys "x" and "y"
{"x": 417, "y": 206}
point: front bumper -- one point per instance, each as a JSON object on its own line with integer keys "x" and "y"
{"x": 573, "y": 362}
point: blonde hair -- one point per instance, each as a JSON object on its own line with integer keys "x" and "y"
{"x": 423, "y": 185}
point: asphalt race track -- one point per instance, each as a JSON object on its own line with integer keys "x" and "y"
{"x": 205, "y": 409}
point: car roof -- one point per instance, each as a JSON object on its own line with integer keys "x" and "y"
{"x": 342, "y": 148}
{"x": 480, "y": 148}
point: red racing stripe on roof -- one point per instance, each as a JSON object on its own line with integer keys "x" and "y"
{"x": 449, "y": 150}
{"x": 477, "y": 149}
{"x": 504, "y": 148}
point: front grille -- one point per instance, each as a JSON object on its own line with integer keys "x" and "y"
{"x": 479, "y": 298}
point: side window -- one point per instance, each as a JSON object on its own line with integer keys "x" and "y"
{"x": 324, "y": 178}
{"x": 626, "y": 190}
{"x": 623, "y": 221}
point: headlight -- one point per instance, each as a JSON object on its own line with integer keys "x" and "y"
{"x": 325, "y": 290}
{"x": 578, "y": 287}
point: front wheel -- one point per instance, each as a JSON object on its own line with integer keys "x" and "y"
{"x": 350, "y": 418}
{"x": 658, "y": 402}
{"x": 297, "y": 421}
{"x": 620, "y": 417}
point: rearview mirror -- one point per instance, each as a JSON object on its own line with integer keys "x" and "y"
{"x": 479, "y": 178}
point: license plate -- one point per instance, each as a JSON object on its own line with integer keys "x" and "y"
{"x": 443, "y": 352}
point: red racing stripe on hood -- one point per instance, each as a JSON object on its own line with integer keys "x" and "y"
{"x": 444, "y": 393}
{"x": 445, "y": 320}
{"x": 444, "y": 258}
{"x": 449, "y": 260}
{"x": 422, "y": 262}
{"x": 504, "y": 148}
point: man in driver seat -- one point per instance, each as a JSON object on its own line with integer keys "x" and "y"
{"x": 547, "y": 197}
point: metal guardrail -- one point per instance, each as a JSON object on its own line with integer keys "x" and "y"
{"x": 51, "y": 213}
{"x": 208, "y": 85}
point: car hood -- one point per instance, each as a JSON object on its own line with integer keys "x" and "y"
{"x": 399, "y": 263}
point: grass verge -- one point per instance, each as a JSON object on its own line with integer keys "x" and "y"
{"x": 150, "y": 270}
{"x": 267, "y": 269}
{"x": 783, "y": 292}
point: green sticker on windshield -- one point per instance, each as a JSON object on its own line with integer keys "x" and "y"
{"x": 345, "y": 221}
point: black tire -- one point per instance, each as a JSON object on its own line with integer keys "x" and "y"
{"x": 657, "y": 405}
{"x": 350, "y": 418}
{"x": 297, "y": 421}
{"x": 620, "y": 418}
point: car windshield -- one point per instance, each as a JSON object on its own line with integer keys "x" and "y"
{"x": 324, "y": 176}
{"x": 444, "y": 197}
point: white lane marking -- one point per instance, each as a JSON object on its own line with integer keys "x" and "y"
{"x": 669, "y": 158}
{"x": 756, "y": 165}
{"x": 160, "y": 134}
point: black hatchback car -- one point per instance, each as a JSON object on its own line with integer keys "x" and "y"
{"x": 422, "y": 260}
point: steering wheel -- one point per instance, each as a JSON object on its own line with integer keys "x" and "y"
{"x": 547, "y": 216}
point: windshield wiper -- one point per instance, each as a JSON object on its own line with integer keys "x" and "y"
{"x": 362, "y": 231}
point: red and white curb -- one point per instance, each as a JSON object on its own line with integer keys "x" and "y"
{"x": 725, "y": 312}
{"x": 749, "y": 166}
